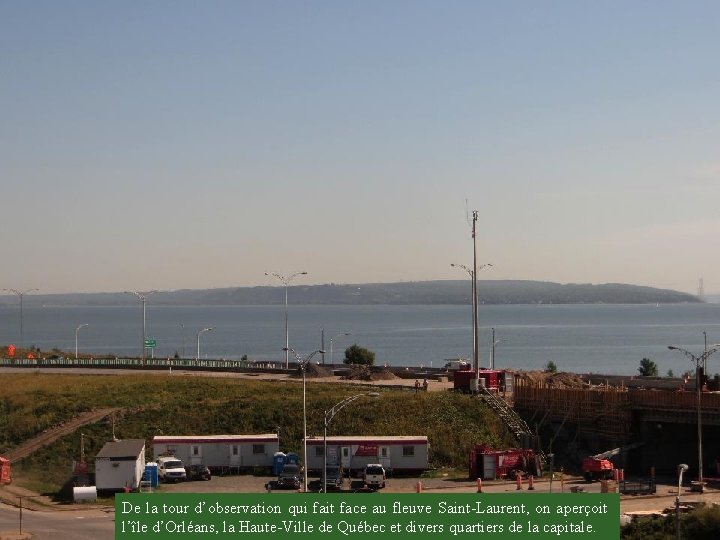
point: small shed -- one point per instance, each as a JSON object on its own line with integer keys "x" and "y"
{"x": 120, "y": 465}
{"x": 221, "y": 453}
{"x": 401, "y": 453}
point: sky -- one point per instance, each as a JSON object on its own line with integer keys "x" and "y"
{"x": 199, "y": 144}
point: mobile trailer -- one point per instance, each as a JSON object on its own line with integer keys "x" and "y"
{"x": 120, "y": 465}
{"x": 398, "y": 454}
{"x": 221, "y": 453}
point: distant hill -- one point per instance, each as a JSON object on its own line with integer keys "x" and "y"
{"x": 421, "y": 292}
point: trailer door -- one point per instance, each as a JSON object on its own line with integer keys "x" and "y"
{"x": 384, "y": 456}
{"x": 345, "y": 457}
{"x": 195, "y": 454}
{"x": 234, "y": 455}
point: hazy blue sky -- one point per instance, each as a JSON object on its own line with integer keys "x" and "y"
{"x": 178, "y": 144}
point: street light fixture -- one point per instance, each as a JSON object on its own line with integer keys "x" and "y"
{"x": 303, "y": 367}
{"x": 329, "y": 415}
{"x": 699, "y": 361}
{"x": 331, "y": 343}
{"x": 681, "y": 469}
{"x": 21, "y": 294}
{"x": 76, "y": 338}
{"x": 209, "y": 329}
{"x": 286, "y": 282}
{"x": 142, "y": 295}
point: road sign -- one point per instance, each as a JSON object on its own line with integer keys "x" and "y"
{"x": 150, "y": 343}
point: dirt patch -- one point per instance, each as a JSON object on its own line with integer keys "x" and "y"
{"x": 367, "y": 373}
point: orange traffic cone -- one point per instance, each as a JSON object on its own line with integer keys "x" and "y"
{"x": 530, "y": 482}
{"x": 519, "y": 482}
{"x": 479, "y": 485}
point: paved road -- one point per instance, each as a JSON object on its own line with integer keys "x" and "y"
{"x": 54, "y": 525}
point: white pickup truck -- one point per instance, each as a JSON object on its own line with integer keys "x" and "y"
{"x": 374, "y": 476}
{"x": 171, "y": 469}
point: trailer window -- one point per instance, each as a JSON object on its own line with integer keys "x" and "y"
{"x": 319, "y": 451}
{"x": 408, "y": 451}
{"x": 258, "y": 448}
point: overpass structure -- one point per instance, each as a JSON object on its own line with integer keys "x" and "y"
{"x": 600, "y": 417}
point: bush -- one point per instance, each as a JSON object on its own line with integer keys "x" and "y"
{"x": 359, "y": 355}
{"x": 648, "y": 368}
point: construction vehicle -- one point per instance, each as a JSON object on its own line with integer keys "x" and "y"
{"x": 600, "y": 467}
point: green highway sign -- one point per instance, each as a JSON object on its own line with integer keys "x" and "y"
{"x": 150, "y": 343}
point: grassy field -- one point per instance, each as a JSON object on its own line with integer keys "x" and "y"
{"x": 178, "y": 405}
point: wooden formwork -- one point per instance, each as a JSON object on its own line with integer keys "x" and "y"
{"x": 603, "y": 411}
{"x": 607, "y": 412}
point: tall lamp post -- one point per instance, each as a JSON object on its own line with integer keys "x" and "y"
{"x": 699, "y": 362}
{"x": 76, "y": 338}
{"x": 303, "y": 367}
{"x": 331, "y": 343}
{"x": 208, "y": 329}
{"x": 21, "y": 294}
{"x": 329, "y": 415}
{"x": 286, "y": 282}
{"x": 492, "y": 353}
{"x": 681, "y": 469}
{"x": 143, "y": 296}
{"x": 475, "y": 324}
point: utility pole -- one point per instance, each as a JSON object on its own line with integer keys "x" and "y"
{"x": 476, "y": 338}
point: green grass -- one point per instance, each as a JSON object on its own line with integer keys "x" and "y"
{"x": 178, "y": 405}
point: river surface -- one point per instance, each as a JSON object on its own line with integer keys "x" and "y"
{"x": 580, "y": 338}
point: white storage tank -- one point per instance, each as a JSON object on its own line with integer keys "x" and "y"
{"x": 84, "y": 493}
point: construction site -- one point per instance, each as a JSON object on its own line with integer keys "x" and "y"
{"x": 655, "y": 428}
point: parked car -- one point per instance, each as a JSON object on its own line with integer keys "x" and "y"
{"x": 334, "y": 478}
{"x": 198, "y": 472}
{"x": 289, "y": 477}
{"x": 171, "y": 469}
{"x": 374, "y": 476}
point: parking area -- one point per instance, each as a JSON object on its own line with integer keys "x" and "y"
{"x": 664, "y": 498}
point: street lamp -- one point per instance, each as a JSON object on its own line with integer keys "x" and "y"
{"x": 142, "y": 295}
{"x": 21, "y": 294}
{"x": 303, "y": 367}
{"x": 681, "y": 469}
{"x": 331, "y": 343}
{"x": 475, "y": 323}
{"x": 182, "y": 335}
{"x": 492, "y": 353}
{"x": 76, "y": 338}
{"x": 699, "y": 360}
{"x": 551, "y": 457}
{"x": 286, "y": 281}
{"x": 329, "y": 415}
{"x": 209, "y": 329}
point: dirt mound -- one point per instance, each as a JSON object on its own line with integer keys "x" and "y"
{"x": 366, "y": 373}
{"x": 314, "y": 371}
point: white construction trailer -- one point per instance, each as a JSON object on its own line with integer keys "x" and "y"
{"x": 220, "y": 453}
{"x": 398, "y": 454}
{"x": 120, "y": 465}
